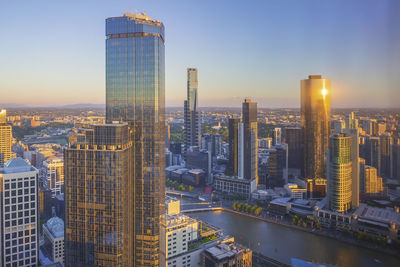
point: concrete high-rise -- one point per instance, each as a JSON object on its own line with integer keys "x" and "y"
{"x": 315, "y": 124}
{"x": 135, "y": 93}
{"x": 250, "y": 131}
{"x": 192, "y": 131}
{"x": 340, "y": 172}
{"x": 100, "y": 196}
{"x": 5, "y": 138}
{"x": 19, "y": 218}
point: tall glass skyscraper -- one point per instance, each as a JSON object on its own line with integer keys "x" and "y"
{"x": 315, "y": 124}
{"x": 191, "y": 110}
{"x": 135, "y": 88}
{"x": 249, "y": 118}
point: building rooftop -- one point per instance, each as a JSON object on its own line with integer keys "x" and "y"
{"x": 16, "y": 165}
{"x": 55, "y": 225}
{"x": 225, "y": 250}
{"x": 385, "y": 215}
{"x": 281, "y": 200}
{"x": 196, "y": 171}
{"x": 174, "y": 220}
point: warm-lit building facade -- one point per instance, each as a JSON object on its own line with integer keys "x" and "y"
{"x": 370, "y": 182}
{"x": 98, "y": 196}
{"x": 5, "y": 138}
{"x": 340, "y": 172}
{"x": 54, "y": 172}
{"x": 135, "y": 93}
{"x": 177, "y": 231}
{"x": 315, "y": 124}
{"x": 316, "y": 188}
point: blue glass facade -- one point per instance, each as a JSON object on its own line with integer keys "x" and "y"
{"x": 135, "y": 94}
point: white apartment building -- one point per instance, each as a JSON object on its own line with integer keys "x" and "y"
{"x": 177, "y": 230}
{"x": 19, "y": 214}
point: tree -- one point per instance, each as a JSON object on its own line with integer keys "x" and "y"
{"x": 258, "y": 211}
{"x": 234, "y": 205}
{"x": 249, "y": 208}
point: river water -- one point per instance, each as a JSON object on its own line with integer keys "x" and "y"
{"x": 283, "y": 243}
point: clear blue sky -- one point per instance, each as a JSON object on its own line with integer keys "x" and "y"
{"x": 52, "y": 52}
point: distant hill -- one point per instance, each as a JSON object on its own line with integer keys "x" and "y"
{"x": 83, "y": 106}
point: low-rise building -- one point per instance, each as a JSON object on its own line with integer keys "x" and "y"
{"x": 53, "y": 231}
{"x": 183, "y": 239}
{"x": 280, "y": 206}
{"x": 234, "y": 185}
{"x": 195, "y": 177}
{"x": 227, "y": 254}
{"x": 295, "y": 192}
{"x": 378, "y": 222}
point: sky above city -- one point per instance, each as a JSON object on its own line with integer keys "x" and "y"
{"x": 53, "y": 52}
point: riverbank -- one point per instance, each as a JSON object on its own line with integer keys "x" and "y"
{"x": 282, "y": 243}
{"x": 348, "y": 240}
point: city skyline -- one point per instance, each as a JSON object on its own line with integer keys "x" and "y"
{"x": 289, "y": 47}
{"x": 124, "y": 181}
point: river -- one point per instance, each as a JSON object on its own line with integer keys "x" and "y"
{"x": 283, "y": 243}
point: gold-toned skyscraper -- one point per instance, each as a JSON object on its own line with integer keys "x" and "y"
{"x": 315, "y": 124}
{"x": 99, "y": 192}
{"x": 340, "y": 171}
{"x": 5, "y": 138}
